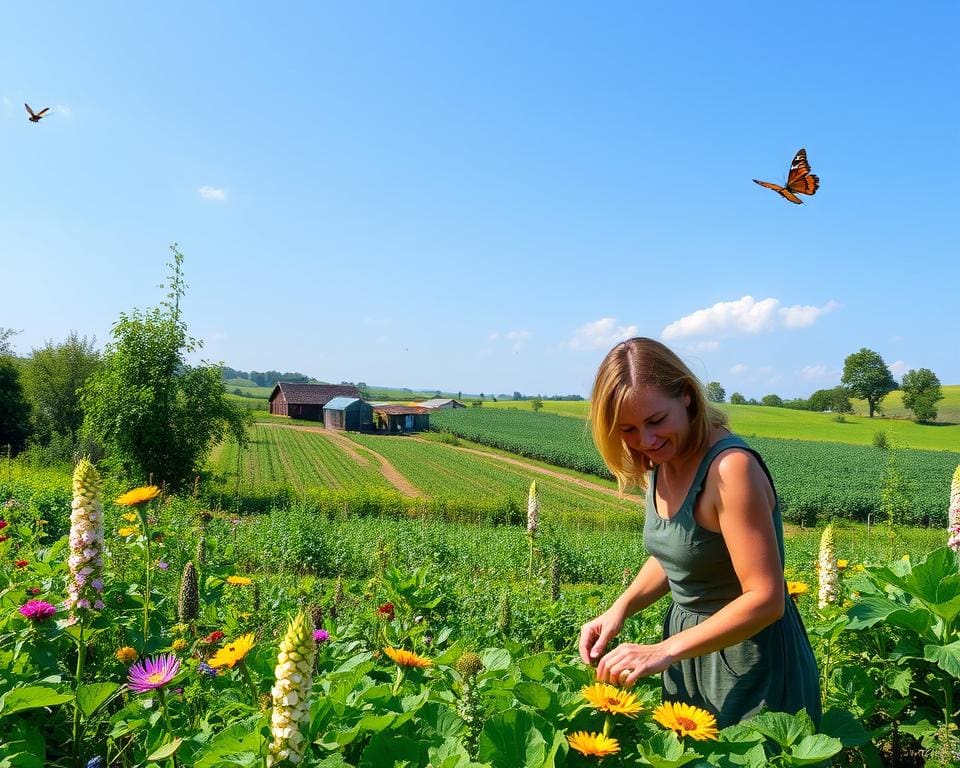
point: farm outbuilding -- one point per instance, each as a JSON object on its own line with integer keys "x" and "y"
{"x": 441, "y": 403}
{"x": 350, "y": 413}
{"x": 395, "y": 419}
{"x": 306, "y": 401}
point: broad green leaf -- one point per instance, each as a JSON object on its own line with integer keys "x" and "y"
{"x": 495, "y": 659}
{"x": 533, "y": 695}
{"x": 814, "y": 749}
{"x": 388, "y": 748}
{"x": 533, "y": 666}
{"x": 899, "y": 680}
{"x": 664, "y": 750}
{"x": 31, "y": 697}
{"x": 512, "y": 740}
{"x": 934, "y": 580}
{"x": 166, "y": 750}
{"x": 919, "y": 730}
{"x": 23, "y": 746}
{"x": 872, "y": 609}
{"x": 842, "y": 725}
{"x": 235, "y": 740}
{"x": 782, "y": 728}
{"x": 92, "y": 696}
{"x": 947, "y": 657}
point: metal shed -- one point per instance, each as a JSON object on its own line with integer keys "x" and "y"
{"x": 397, "y": 419}
{"x": 350, "y": 413}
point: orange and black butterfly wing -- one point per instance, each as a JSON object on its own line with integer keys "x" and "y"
{"x": 29, "y": 111}
{"x": 800, "y": 180}
{"x": 782, "y": 191}
{"x": 43, "y": 111}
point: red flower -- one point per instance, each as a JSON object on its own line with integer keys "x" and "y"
{"x": 214, "y": 637}
{"x": 3, "y": 539}
{"x": 21, "y": 563}
{"x": 3, "y": 524}
{"x": 33, "y": 590}
{"x": 386, "y": 611}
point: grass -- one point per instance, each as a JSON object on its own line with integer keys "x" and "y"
{"x": 948, "y": 409}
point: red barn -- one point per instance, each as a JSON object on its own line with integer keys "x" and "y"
{"x": 306, "y": 401}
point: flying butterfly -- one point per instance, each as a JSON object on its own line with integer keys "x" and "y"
{"x": 799, "y": 181}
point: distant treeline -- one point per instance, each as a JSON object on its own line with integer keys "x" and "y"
{"x": 265, "y": 378}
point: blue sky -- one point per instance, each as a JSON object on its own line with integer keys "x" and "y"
{"x": 485, "y": 197}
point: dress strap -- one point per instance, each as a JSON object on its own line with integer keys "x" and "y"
{"x": 724, "y": 443}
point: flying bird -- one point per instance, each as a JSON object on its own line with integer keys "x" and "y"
{"x": 799, "y": 181}
{"x": 35, "y": 117}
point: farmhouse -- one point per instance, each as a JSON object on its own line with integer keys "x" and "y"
{"x": 349, "y": 413}
{"x": 400, "y": 418}
{"x": 441, "y": 403}
{"x": 306, "y": 401}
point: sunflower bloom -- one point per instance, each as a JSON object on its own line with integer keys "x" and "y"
{"x": 797, "y": 588}
{"x": 407, "y": 659}
{"x": 291, "y": 691}
{"x": 232, "y": 653}
{"x": 239, "y": 581}
{"x": 126, "y": 655}
{"x": 594, "y": 744}
{"x": 686, "y": 720}
{"x": 127, "y": 531}
{"x": 609, "y": 698}
{"x": 140, "y": 495}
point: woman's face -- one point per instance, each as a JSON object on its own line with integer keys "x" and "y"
{"x": 655, "y": 424}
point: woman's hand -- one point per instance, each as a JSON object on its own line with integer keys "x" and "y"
{"x": 628, "y": 662}
{"x": 595, "y": 634}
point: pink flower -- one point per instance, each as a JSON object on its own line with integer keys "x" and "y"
{"x": 320, "y": 635}
{"x": 33, "y": 590}
{"x": 37, "y": 610}
{"x": 3, "y": 524}
{"x": 153, "y": 673}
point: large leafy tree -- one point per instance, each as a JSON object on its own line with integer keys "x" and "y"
{"x": 921, "y": 393}
{"x": 867, "y": 377}
{"x": 155, "y": 415}
{"x": 52, "y": 379}
{"x": 836, "y": 399}
{"x": 715, "y": 392}
{"x": 14, "y": 408}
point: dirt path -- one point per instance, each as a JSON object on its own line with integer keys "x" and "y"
{"x": 389, "y": 472}
{"x": 527, "y": 467}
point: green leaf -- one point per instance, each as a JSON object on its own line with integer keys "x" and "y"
{"x": 495, "y": 659}
{"x": 782, "y": 728}
{"x": 23, "y": 746}
{"x": 166, "y": 750}
{"x": 513, "y": 740}
{"x": 947, "y": 657}
{"x": 899, "y": 681}
{"x": 31, "y": 697}
{"x": 934, "y": 580}
{"x": 533, "y": 695}
{"x": 92, "y": 696}
{"x": 814, "y": 749}
{"x": 534, "y": 666}
{"x": 388, "y": 748}
{"x": 842, "y": 725}
{"x": 238, "y": 739}
{"x": 664, "y": 750}
{"x": 873, "y": 609}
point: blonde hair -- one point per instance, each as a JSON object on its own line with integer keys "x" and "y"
{"x": 628, "y": 367}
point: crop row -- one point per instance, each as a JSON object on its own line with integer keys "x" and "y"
{"x": 815, "y": 480}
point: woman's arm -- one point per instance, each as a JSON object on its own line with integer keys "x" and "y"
{"x": 744, "y": 502}
{"x": 648, "y": 586}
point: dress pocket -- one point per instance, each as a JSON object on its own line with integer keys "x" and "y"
{"x": 744, "y": 657}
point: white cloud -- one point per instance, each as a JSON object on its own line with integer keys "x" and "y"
{"x": 62, "y": 109}
{"x": 813, "y": 372}
{"x": 737, "y": 369}
{"x": 898, "y": 368}
{"x": 516, "y": 339}
{"x": 601, "y": 333}
{"x": 799, "y": 316}
{"x": 744, "y": 316}
{"x": 212, "y": 193}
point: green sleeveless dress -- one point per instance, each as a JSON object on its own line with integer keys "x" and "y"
{"x": 774, "y": 669}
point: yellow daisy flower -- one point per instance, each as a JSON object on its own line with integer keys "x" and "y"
{"x": 686, "y": 720}
{"x": 137, "y": 496}
{"x": 841, "y": 564}
{"x": 797, "y": 588}
{"x": 609, "y": 698}
{"x": 232, "y": 653}
{"x": 239, "y": 581}
{"x": 127, "y": 531}
{"x": 406, "y": 658}
{"x": 595, "y": 744}
{"x": 130, "y": 517}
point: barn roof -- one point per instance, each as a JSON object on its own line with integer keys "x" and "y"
{"x": 396, "y": 410}
{"x": 341, "y": 403}
{"x": 312, "y": 394}
{"x": 438, "y": 401}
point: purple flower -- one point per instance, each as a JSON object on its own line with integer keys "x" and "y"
{"x": 37, "y": 610}
{"x": 162, "y": 565}
{"x": 320, "y": 635}
{"x": 206, "y": 669}
{"x": 153, "y": 673}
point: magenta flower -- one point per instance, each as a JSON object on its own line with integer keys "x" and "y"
{"x": 153, "y": 673}
{"x": 320, "y": 635}
{"x": 37, "y": 610}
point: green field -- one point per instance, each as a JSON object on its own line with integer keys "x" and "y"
{"x": 948, "y": 409}
{"x": 762, "y": 421}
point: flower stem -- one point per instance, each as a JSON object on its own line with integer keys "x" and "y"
{"x": 142, "y": 511}
{"x": 398, "y": 681}
{"x": 81, "y": 654}
{"x": 253, "y": 689}
{"x": 607, "y": 725}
